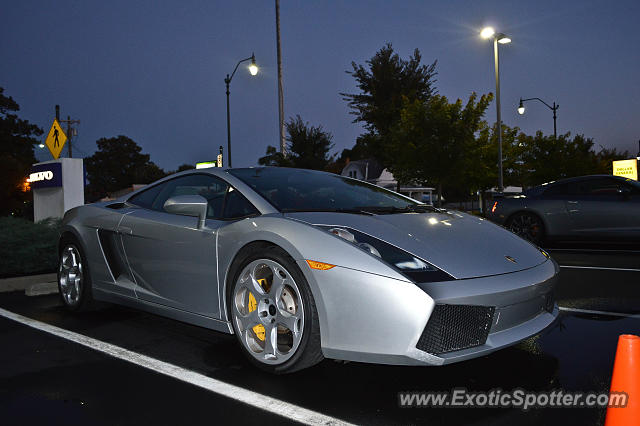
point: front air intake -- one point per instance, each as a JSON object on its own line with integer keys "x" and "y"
{"x": 455, "y": 327}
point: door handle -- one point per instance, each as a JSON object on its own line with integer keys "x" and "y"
{"x": 125, "y": 230}
{"x": 572, "y": 202}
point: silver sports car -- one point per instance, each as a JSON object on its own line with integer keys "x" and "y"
{"x": 303, "y": 265}
{"x": 600, "y": 207}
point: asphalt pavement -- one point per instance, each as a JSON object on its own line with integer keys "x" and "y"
{"x": 48, "y": 379}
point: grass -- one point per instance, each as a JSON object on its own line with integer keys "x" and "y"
{"x": 28, "y": 248}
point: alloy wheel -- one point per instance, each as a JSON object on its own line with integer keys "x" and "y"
{"x": 70, "y": 275}
{"x": 526, "y": 226}
{"x": 268, "y": 311}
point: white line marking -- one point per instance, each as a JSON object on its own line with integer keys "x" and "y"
{"x": 623, "y": 251}
{"x": 588, "y": 311}
{"x": 263, "y": 402}
{"x": 599, "y": 267}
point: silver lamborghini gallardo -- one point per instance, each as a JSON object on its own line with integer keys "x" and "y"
{"x": 303, "y": 265}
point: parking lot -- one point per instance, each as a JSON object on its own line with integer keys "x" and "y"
{"x": 172, "y": 373}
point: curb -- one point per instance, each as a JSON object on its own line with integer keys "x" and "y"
{"x": 23, "y": 283}
{"x": 41, "y": 289}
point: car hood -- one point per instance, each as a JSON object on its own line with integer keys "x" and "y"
{"x": 462, "y": 245}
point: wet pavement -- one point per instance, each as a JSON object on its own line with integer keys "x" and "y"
{"x": 47, "y": 380}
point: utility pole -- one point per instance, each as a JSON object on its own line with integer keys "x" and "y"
{"x": 499, "y": 121}
{"x": 283, "y": 146}
{"x": 69, "y": 135}
{"x": 70, "y": 129}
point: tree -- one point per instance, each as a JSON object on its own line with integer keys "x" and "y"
{"x": 308, "y": 147}
{"x": 385, "y": 84}
{"x": 117, "y": 164}
{"x": 606, "y": 157}
{"x": 548, "y": 158}
{"x": 17, "y": 137}
{"x": 181, "y": 168}
{"x": 274, "y": 158}
{"x": 433, "y": 141}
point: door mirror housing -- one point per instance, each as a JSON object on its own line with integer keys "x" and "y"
{"x": 188, "y": 205}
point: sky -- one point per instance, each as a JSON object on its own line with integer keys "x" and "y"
{"x": 154, "y": 70}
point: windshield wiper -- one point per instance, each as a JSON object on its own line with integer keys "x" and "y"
{"x": 353, "y": 211}
{"x": 411, "y": 208}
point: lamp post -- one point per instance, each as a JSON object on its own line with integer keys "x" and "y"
{"x": 489, "y": 33}
{"x": 253, "y": 69}
{"x": 553, "y": 108}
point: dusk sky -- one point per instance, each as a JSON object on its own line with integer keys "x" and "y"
{"x": 154, "y": 71}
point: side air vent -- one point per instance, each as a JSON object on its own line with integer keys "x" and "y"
{"x": 111, "y": 247}
{"x": 115, "y": 206}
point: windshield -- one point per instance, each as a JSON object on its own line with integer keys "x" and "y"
{"x": 292, "y": 190}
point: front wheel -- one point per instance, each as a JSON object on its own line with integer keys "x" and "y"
{"x": 273, "y": 312}
{"x": 74, "y": 282}
{"x": 527, "y": 226}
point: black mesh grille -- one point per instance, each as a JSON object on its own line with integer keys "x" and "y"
{"x": 454, "y": 327}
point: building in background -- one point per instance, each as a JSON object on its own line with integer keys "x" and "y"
{"x": 371, "y": 171}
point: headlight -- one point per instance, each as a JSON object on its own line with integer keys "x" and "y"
{"x": 414, "y": 268}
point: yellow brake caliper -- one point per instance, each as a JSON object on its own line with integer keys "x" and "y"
{"x": 253, "y": 305}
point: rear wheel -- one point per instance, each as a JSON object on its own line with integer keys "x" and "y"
{"x": 74, "y": 283}
{"x": 273, "y": 312}
{"x": 528, "y": 226}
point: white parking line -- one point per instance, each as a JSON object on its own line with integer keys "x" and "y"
{"x": 579, "y": 250}
{"x": 599, "y": 267}
{"x": 263, "y": 402}
{"x": 589, "y": 311}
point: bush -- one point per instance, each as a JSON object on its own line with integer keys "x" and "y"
{"x": 28, "y": 248}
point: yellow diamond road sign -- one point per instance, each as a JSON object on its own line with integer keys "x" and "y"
{"x": 56, "y": 139}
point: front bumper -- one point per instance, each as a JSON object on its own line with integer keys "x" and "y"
{"x": 370, "y": 318}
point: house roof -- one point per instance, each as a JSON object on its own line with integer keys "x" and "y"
{"x": 375, "y": 168}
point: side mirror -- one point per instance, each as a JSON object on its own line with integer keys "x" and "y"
{"x": 188, "y": 205}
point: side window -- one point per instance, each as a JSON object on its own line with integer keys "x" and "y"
{"x": 237, "y": 206}
{"x": 596, "y": 187}
{"x": 605, "y": 186}
{"x": 209, "y": 187}
{"x": 145, "y": 198}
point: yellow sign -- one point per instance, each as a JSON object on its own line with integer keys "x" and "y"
{"x": 626, "y": 168}
{"x": 56, "y": 139}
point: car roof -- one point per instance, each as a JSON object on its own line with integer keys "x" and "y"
{"x": 578, "y": 178}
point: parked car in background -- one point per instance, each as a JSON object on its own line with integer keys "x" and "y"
{"x": 601, "y": 207}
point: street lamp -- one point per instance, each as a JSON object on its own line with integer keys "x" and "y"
{"x": 553, "y": 108}
{"x": 253, "y": 69}
{"x": 489, "y": 33}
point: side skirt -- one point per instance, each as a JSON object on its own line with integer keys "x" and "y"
{"x": 165, "y": 311}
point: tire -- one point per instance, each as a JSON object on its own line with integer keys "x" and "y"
{"x": 74, "y": 280}
{"x": 278, "y": 330}
{"x": 528, "y": 226}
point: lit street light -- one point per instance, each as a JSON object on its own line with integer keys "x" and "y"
{"x": 553, "y": 108}
{"x": 253, "y": 69}
{"x": 488, "y": 33}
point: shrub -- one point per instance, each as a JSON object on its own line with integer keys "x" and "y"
{"x": 28, "y": 248}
